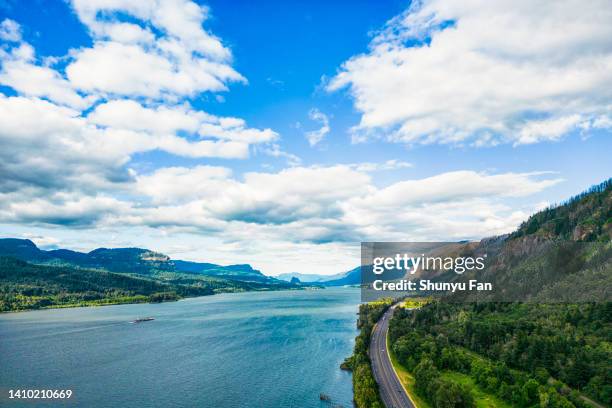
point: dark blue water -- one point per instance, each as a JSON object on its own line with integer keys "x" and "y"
{"x": 267, "y": 349}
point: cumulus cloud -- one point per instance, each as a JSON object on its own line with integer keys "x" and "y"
{"x": 64, "y": 209}
{"x": 482, "y": 73}
{"x": 129, "y": 114}
{"x": 21, "y": 72}
{"x": 181, "y": 184}
{"x": 47, "y": 147}
{"x": 165, "y": 53}
{"x": 314, "y": 137}
{"x": 301, "y": 204}
{"x": 548, "y": 129}
{"x": 145, "y": 73}
{"x": 53, "y": 140}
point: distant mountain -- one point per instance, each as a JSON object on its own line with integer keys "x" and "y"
{"x": 127, "y": 260}
{"x": 68, "y": 255}
{"x": 309, "y": 277}
{"x": 303, "y": 277}
{"x": 32, "y": 278}
{"x": 123, "y": 260}
{"x": 244, "y": 272}
{"x": 22, "y": 249}
{"x": 352, "y": 277}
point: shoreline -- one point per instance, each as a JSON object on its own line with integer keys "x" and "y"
{"x": 75, "y": 306}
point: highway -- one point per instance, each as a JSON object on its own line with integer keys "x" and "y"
{"x": 391, "y": 390}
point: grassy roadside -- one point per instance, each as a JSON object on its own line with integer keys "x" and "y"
{"x": 406, "y": 379}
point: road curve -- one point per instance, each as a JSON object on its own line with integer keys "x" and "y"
{"x": 391, "y": 390}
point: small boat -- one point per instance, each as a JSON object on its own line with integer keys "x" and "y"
{"x": 142, "y": 319}
{"x": 324, "y": 397}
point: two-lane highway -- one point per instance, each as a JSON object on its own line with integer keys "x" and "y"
{"x": 391, "y": 390}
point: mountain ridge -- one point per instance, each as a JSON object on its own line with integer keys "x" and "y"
{"x": 134, "y": 260}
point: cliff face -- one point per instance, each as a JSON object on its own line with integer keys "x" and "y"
{"x": 560, "y": 254}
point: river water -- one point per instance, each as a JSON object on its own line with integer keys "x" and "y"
{"x": 257, "y": 349}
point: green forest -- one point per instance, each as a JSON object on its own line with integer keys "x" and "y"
{"x": 25, "y": 286}
{"x": 552, "y": 350}
{"x": 526, "y": 354}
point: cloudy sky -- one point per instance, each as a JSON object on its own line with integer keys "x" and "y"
{"x": 284, "y": 133}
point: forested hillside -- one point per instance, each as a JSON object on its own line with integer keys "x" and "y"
{"x": 525, "y": 354}
{"x": 553, "y": 351}
{"x": 26, "y": 286}
{"x": 585, "y": 217}
{"x": 31, "y": 278}
{"x": 139, "y": 261}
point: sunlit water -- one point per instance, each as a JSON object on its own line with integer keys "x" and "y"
{"x": 267, "y": 349}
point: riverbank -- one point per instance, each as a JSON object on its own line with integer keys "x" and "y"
{"x": 365, "y": 389}
{"x": 134, "y": 300}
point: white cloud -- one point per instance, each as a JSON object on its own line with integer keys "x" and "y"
{"x": 318, "y": 204}
{"x": 549, "y": 129}
{"x": 179, "y": 19}
{"x": 479, "y": 72}
{"x": 65, "y": 210}
{"x": 145, "y": 73}
{"x": 128, "y": 114}
{"x": 183, "y": 60}
{"x": 10, "y": 30}
{"x": 461, "y": 185}
{"x": 47, "y": 146}
{"x": 52, "y": 141}
{"x": 180, "y": 184}
{"x": 304, "y": 209}
{"x": 316, "y": 136}
{"x": 131, "y": 115}
{"x": 20, "y": 71}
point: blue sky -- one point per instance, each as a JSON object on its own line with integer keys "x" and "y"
{"x": 283, "y": 133}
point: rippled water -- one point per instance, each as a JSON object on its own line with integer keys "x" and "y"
{"x": 267, "y": 349}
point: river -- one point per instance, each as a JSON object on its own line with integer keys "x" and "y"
{"x": 256, "y": 349}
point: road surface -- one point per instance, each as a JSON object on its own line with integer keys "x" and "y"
{"x": 391, "y": 390}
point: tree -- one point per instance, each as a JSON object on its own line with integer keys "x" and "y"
{"x": 452, "y": 395}
{"x": 425, "y": 374}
